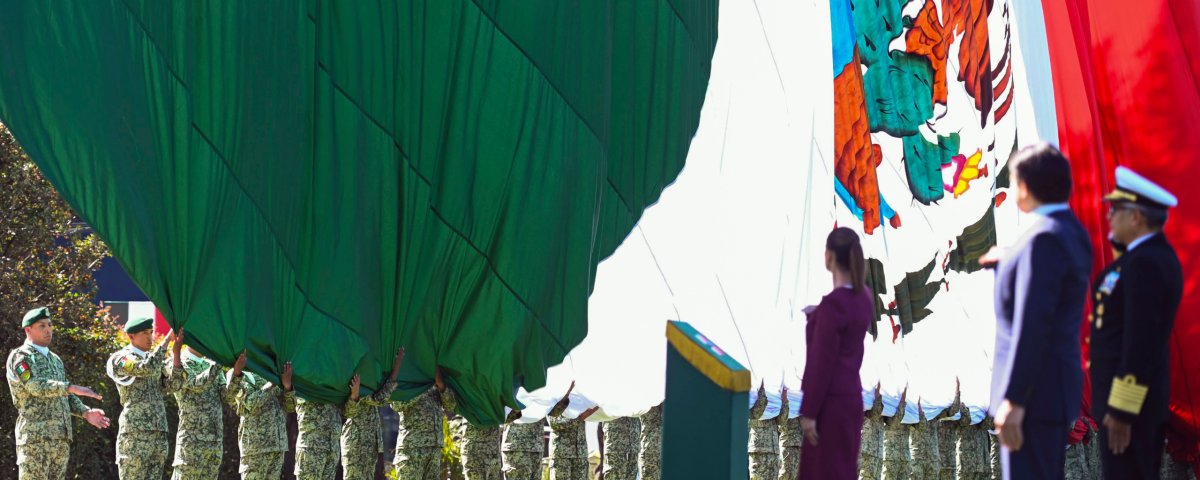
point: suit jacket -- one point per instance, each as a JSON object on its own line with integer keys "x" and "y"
{"x": 1136, "y": 300}
{"x": 1041, "y": 288}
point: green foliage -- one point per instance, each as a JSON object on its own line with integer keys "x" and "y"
{"x": 47, "y": 258}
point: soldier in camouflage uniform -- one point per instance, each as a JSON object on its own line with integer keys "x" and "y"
{"x": 1075, "y": 467}
{"x": 870, "y": 456}
{"x": 420, "y": 439}
{"x": 45, "y": 401}
{"x": 480, "y": 450}
{"x": 791, "y": 442}
{"x": 926, "y": 445}
{"x": 142, "y": 446}
{"x": 972, "y": 450}
{"x": 201, "y": 436}
{"x": 923, "y": 448}
{"x": 652, "y": 444}
{"x": 989, "y": 426}
{"x": 318, "y": 443}
{"x": 262, "y": 431}
{"x": 947, "y": 434}
{"x": 1174, "y": 470}
{"x": 523, "y": 447}
{"x": 764, "y": 441}
{"x": 621, "y": 441}
{"x": 1093, "y": 452}
{"x": 362, "y": 434}
{"x": 568, "y": 443}
{"x": 897, "y": 456}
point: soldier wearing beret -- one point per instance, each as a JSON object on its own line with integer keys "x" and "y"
{"x": 45, "y": 401}
{"x": 142, "y": 379}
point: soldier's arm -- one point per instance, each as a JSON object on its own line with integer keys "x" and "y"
{"x": 233, "y": 386}
{"x": 1147, "y": 322}
{"x": 27, "y": 385}
{"x": 353, "y": 408}
{"x": 782, "y": 418}
{"x": 252, "y": 397}
{"x": 175, "y": 379}
{"x": 149, "y": 366}
{"x": 381, "y": 396}
{"x": 288, "y": 400}
{"x": 77, "y": 406}
{"x": 197, "y": 383}
{"x": 760, "y": 404}
{"x": 449, "y": 400}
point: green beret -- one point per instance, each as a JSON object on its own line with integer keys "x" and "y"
{"x": 141, "y": 324}
{"x": 32, "y": 316}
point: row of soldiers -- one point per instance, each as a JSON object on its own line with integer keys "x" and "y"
{"x": 945, "y": 447}
{"x": 329, "y": 435}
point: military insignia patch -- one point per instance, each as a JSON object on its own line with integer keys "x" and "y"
{"x": 23, "y": 372}
{"x": 1110, "y": 282}
{"x": 128, "y": 363}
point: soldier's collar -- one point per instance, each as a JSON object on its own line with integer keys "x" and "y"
{"x": 138, "y": 351}
{"x": 43, "y": 350}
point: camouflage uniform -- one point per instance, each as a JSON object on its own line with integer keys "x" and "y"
{"x": 897, "y": 456}
{"x": 262, "y": 431}
{"x": 318, "y": 443}
{"x": 523, "y": 447}
{"x": 200, "y": 440}
{"x": 925, "y": 449}
{"x": 568, "y": 448}
{"x": 1173, "y": 470}
{"x": 946, "y": 437}
{"x": 791, "y": 441}
{"x": 972, "y": 450}
{"x": 480, "y": 448}
{"x": 1093, "y": 453}
{"x": 764, "y": 442}
{"x": 621, "y": 450}
{"x": 1076, "y": 464}
{"x": 989, "y": 426}
{"x": 652, "y": 443}
{"x": 38, "y": 384}
{"x": 419, "y": 442}
{"x": 870, "y": 455}
{"x": 141, "y": 379}
{"x": 362, "y": 434}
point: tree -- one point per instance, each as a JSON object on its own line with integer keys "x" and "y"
{"x": 47, "y": 258}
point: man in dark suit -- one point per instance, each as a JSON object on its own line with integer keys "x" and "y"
{"x": 1135, "y": 302}
{"x": 1041, "y": 288}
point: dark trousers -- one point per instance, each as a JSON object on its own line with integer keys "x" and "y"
{"x": 1043, "y": 455}
{"x": 1141, "y": 460}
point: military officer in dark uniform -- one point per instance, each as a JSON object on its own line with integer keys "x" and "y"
{"x": 1135, "y": 300}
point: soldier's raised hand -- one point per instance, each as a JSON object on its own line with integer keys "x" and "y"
{"x": 286, "y": 378}
{"x": 240, "y": 364}
{"x": 81, "y": 391}
{"x": 96, "y": 417}
{"x": 176, "y": 339}
{"x": 355, "y": 382}
{"x": 399, "y": 359}
{"x": 438, "y": 383}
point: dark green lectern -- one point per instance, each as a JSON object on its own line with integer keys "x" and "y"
{"x": 706, "y": 410}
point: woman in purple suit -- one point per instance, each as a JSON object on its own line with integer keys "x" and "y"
{"x": 832, "y": 411}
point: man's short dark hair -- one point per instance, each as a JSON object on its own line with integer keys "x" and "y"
{"x": 1045, "y": 171}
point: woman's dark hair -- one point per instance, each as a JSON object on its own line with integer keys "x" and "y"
{"x": 848, "y": 254}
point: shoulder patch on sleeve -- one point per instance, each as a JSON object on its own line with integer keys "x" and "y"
{"x": 23, "y": 371}
{"x": 129, "y": 362}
